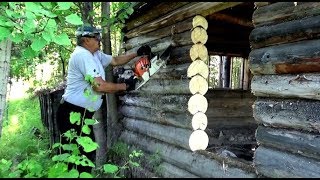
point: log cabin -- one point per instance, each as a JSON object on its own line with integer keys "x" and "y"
{"x": 239, "y": 96}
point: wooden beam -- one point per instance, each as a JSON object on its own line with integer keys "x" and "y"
{"x": 230, "y": 19}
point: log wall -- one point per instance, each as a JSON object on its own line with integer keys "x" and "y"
{"x": 285, "y": 63}
{"x": 157, "y": 117}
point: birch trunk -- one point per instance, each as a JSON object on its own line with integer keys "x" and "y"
{"x": 5, "y": 54}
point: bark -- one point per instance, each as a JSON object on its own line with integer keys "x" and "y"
{"x": 198, "y": 67}
{"x": 5, "y": 55}
{"x": 153, "y": 13}
{"x": 298, "y": 114}
{"x": 293, "y": 58}
{"x": 284, "y": 11}
{"x": 305, "y": 144}
{"x": 202, "y": 165}
{"x": 199, "y": 51}
{"x": 280, "y": 164}
{"x": 199, "y": 35}
{"x": 172, "y": 72}
{"x": 286, "y": 32}
{"x": 198, "y": 84}
{"x": 287, "y": 86}
{"x": 180, "y": 55}
{"x": 189, "y": 10}
{"x": 196, "y": 103}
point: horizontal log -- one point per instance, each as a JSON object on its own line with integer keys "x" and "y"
{"x": 185, "y": 25}
{"x": 287, "y": 86}
{"x": 180, "y": 55}
{"x": 176, "y": 40}
{"x": 260, "y": 4}
{"x": 178, "y": 71}
{"x": 305, "y": 144}
{"x": 299, "y": 114}
{"x": 171, "y": 135}
{"x": 280, "y": 164}
{"x": 293, "y": 58}
{"x": 161, "y": 117}
{"x": 153, "y": 13}
{"x": 284, "y": 11}
{"x": 202, "y": 165}
{"x": 231, "y": 123}
{"x": 170, "y": 171}
{"x": 189, "y": 10}
{"x": 230, "y": 19}
{"x": 286, "y": 32}
{"x": 163, "y": 86}
{"x": 225, "y": 49}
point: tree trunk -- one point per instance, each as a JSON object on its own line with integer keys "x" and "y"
{"x": 5, "y": 55}
{"x": 280, "y": 164}
{"x": 293, "y": 58}
{"x": 289, "y": 86}
{"x": 283, "y": 12}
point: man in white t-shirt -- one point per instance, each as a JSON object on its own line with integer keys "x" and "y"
{"x": 88, "y": 60}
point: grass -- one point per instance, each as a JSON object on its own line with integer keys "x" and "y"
{"x": 18, "y": 142}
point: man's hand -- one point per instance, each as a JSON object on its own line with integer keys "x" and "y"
{"x": 131, "y": 83}
{"x": 144, "y": 50}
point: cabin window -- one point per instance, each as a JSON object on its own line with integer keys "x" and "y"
{"x": 227, "y": 72}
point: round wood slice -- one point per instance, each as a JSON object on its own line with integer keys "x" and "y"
{"x": 199, "y": 35}
{"x": 198, "y": 67}
{"x": 200, "y": 21}
{"x": 198, "y": 140}
{"x": 197, "y": 103}
{"x": 199, "y": 121}
{"x": 199, "y": 51}
{"x": 198, "y": 84}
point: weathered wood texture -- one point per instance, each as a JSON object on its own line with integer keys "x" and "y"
{"x": 305, "y": 144}
{"x": 170, "y": 171}
{"x": 284, "y": 11}
{"x": 298, "y": 114}
{"x": 162, "y": 86}
{"x": 292, "y": 58}
{"x": 153, "y": 13}
{"x": 287, "y": 86}
{"x": 280, "y": 164}
{"x": 49, "y": 103}
{"x": 286, "y": 32}
{"x": 186, "y": 11}
{"x": 195, "y": 163}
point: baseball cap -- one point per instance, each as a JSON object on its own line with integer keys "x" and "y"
{"x": 87, "y": 30}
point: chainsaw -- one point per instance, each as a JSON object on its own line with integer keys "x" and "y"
{"x": 145, "y": 68}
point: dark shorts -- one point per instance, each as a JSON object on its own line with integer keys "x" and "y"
{"x": 63, "y": 122}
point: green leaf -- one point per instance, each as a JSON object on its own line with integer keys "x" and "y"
{"x": 85, "y": 129}
{"x": 89, "y": 121}
{"x": 51, "y": 26}
{"x": 38, "y": 43}
{"x": 130, "y": 10}
{"x": 70, "y": 147}
{"x": 74, "y": 19}
{"x": 29, "y": 26}
{"x": 60, "y": 157}
{"x": 85, "y": 175}
{"x": 4, "y": 33}
{"x": 110, "y": 168}
{"x": 30, "y": 15}
{"x": 29, "y": 53}
{"x": 46, "y": 36}
{"x": 30, "y": 6}
{"x": 62, "y": 39}
{"x": 75, "y": 118}
{"x": 47, "y": 5}
{"x": 64, "y": 5}
{"x": 87, "y": 144}
{"x": 57, "y": 169}
{"x": 73, "y": 173}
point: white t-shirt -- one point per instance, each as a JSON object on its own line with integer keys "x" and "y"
{"x": 82, "y": 62}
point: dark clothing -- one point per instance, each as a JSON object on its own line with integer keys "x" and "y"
{"x": 63, "y": 122}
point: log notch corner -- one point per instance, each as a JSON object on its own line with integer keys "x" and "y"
{"x": 198, "y": 71}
